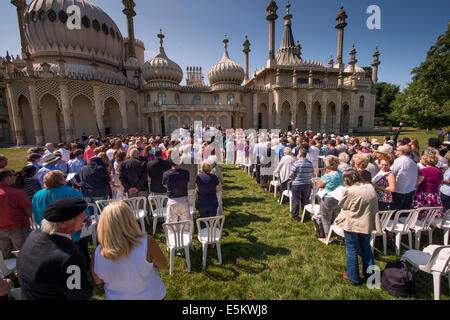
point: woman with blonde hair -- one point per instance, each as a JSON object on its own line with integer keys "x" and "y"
{"x": 207, "y": 186}
{"x": 127, "y": 260}
{"x": 108, "y": 165}
{"x": 415, "y": 150}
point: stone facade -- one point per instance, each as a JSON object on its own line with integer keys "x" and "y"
{"x": 49, "y": 95}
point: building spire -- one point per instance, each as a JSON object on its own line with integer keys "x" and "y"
{"x": 161, "y": 37}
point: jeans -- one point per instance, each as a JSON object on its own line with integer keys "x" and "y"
{"x": 383, "y": 206}
{"x": 353, "y": 241}
{"x": 445, "y": 202}
{"x": 300, "y": 197}
{"x": 402, "y": 201}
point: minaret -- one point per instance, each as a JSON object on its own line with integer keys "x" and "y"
{"x": 375, "y": 64}
{"x": 331, "y": 63}
{"x": 130, "y": 13}
{"x": 271, "y": 17}
{"x": 21, "y": 6}
{"x": 246, "y": 51}
{"x": 298, "y": 49}
{"x": 352, "y": 62}
{"x": 341, "y": 24}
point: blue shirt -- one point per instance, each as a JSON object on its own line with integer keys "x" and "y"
{"x": 332, "y": 180}
{"x": 63, "y": 167}
{"x": 75, "y": 165}
{"x": 36, "y": 165}
{"x": 43, "y": 198}
{"x": 43, "y": 171}
{"x": 281, "y": 151}
{"x": 445, "y": 188}
{"x": 302, "y": 170}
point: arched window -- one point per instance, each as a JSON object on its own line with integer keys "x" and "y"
{"x": 2, "y": 102}
{"x": 113, "y": 33}
{"x": 42, "y": 15}
{"x": 177, "y": 98}
{"x": 86, "y": 22}
{"x": 230, "y": 99}
{"x": 360, "y": 122}
{"x": 161, "y": 98}
{"x": 96, "y": 25}
{"x": 105, "y": 29}
{"x": 216, "y": 99}
{"x": 63, "y": 16}
{"x": 148, "y": 100}
{"x": 52, "y": 15}
{"x": 361, "y": 102}
{"x": 260, "y": 119}
{"x": 197, "y": 100}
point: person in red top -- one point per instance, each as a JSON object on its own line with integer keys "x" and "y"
{"x": 15, "y": 212}
{"x": 89, "y": 152}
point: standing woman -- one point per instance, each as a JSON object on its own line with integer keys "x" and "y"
{"x": 358, "y": 219}
{"x": 218, "y": 173}
{"x": 27, "y": 181}
{"x": 127, "y": 260}
{"x": 119, "y": 158}
{"x": 384, "y": 182}
{"x": 428, "y": 183}
{"x": 208, "y": 186}
{"x": 415, "y": 150}
{"x": 266, "y": 164}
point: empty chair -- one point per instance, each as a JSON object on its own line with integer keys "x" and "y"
{"x": 312, "y": 208}
{"x": 275, "y": 183}
{"x": 385, "y": 216}
{"x": 402, "y": 226}
{"x": 210, "y": 234}
{"x": 178, "y": 237}
{"x": 287, "y": 194}
{"x": 336, "y": 230}
{"x": 434, "y": 260}
{"x": 102, "y": 204}
{"x": 444, "y": 224}
{"x": 160, "y": 210}
{"x": 139, "y": 207}
{"x": 7, "y": 266}
{"x": 425, "y": 224}
{"x": 95, "y": 220}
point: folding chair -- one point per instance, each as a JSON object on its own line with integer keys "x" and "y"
{"x": 160, "y": 211}
{"x": 177, "y": 237}
{"x": 210, "y": 234}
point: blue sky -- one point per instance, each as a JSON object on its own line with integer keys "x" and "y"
{"x": 195, "y": 29}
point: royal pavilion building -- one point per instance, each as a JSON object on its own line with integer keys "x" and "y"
{"x": 93, "y": 80}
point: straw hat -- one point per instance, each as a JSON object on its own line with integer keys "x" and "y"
{"x": 385, "y": 149}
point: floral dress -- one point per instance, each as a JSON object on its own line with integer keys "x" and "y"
{"x": 384, "y": 196}
{"x": 428, "y": 191}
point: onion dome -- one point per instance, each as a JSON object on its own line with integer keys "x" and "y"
{"x": 358, "y": 69}
{"x": 47, "y": 31}
{"x": 226, "y": 71}
{"x": 161, "y": 68}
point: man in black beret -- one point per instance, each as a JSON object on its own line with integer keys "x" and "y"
{"x": 50, "y": 265}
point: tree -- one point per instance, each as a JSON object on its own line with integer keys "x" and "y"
{"x": 425, "y": 103}
{"x": 386, "y": 93}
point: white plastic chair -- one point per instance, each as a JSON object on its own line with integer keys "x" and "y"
{"x": 192, "y": 196}
{"x": 288, "y": 194}
{"x": 401, "y": 227}
{"x": 211, "y": 234}
{"x": 425, "y": 224}
{"x": 385, "y": 216}
{"x": 433, "y": 259}
{"x": 275, "y": 183}
{"x": 33, "y": 224}
{"x": 139, "y": 207}
{"x": 178, "y": 238}
{"x": 95, "y": 220}
{"x": 312, "y": 208}
{"x": 336, "y": 230}
{"x": 7, "y": 266}
{"x": 102, "y": 204}
{"x": 160, "y": 211}
{"x": 444, "y": 224}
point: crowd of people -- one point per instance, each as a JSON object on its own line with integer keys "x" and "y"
{"x": 52, "y": 193}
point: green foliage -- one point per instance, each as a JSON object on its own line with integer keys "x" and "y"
{"x": 425, "y": 103}
{"x": 368, "y": 71}
{"x": 385, "y": 96}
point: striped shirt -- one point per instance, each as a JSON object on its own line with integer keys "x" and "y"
{"x": 302, "y": 171}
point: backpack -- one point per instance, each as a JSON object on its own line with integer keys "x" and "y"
{"x": 398, "y": 280}
{"x": 318, "y": 226}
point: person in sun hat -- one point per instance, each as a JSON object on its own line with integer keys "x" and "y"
{"x": 50, "y": 162}
{"x": 50, "y": 265}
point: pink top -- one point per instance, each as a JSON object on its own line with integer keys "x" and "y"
{"x": 433, "y": 179}
{"x": 89, "y": 154}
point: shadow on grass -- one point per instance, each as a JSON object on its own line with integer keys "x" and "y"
{"x": 239, "y": 201}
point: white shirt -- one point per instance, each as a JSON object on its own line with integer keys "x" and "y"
{"x": 65, "y": 154}
{"x": 259, "y": 150}
{"x": 132, "y": 277}
{"x": 313, "y": 155}
{"x": 405, "y": 170}
{"x": 110, "y": 153}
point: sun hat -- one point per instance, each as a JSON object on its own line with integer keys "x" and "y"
{"x": 385, "y": 149}
{"x": 375, "y": 142}
{"x": 50, "y": 158}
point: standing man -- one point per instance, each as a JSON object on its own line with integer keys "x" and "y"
{"x": 301, "y": 174}
{"x": 156, "y": 169}
{"x": 259, "y": 150}
{"x": 406, "y": 172}
{"x": 133, "y": 176}
{"x": 15, "y": 211}
{"x": 50, "y": 148}
{"x": 89, "y": 152}
{"x": 50, "y": 162}
{"x": 441, "y": 135}
{"x": 50, "y": 265}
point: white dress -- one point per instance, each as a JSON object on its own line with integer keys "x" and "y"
{"x": 240, "y": 155}
{"x": 230, "y": 152}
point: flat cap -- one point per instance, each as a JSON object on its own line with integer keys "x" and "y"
{"x": 65, "y": 210}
